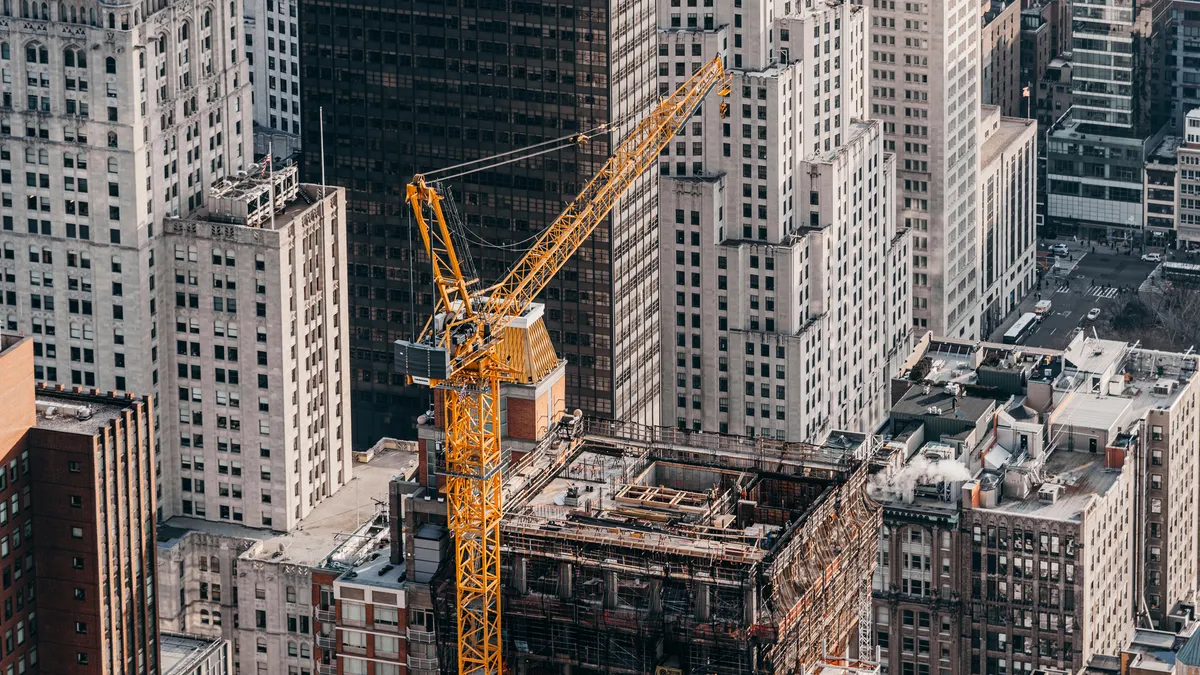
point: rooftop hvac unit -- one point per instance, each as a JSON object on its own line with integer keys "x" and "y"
{"x": 1048, "y": 493}
{"x": 1165, "y": 387}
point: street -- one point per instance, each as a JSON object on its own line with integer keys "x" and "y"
{"x": 1098, "y": 280}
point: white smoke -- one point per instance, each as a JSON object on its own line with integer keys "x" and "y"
{"x": 902, "y": 484}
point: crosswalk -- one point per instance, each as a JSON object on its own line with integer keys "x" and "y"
{"x": 1095, "y": 291}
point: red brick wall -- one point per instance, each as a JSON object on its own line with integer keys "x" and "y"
{"x": 17, "y": 411}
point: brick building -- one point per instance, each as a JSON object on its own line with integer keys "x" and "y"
{"x": 79, "y": 597}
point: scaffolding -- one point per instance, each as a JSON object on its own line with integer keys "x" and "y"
{"x": 629, "y": 549}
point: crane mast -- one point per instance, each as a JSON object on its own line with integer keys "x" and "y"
{"x": 458, "y": 353}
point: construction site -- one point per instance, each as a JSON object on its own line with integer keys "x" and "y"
{"x": 634, "y": 549}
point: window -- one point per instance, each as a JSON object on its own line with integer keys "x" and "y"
{"x": 354, "y": 612}
{"x": 386, "y": 616}
{"x": 354, "y": 640}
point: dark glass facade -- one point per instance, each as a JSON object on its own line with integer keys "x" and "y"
{"x": 410, "y": 86}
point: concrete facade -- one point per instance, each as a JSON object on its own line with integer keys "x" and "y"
{"x": 777, "y": 222}
{"x": 273, "y": 54}
{"x": 925, "y": 61}
{"x": 1007, "y": 190}
{"x": 1000, "y": 72}
{"x": 261, "y": 387}
{"x": 159, "y": 118}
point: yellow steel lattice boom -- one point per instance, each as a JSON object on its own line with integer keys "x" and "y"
{"x": 465, "y": 330}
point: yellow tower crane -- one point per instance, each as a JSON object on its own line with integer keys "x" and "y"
{"x": 458, "y": 352}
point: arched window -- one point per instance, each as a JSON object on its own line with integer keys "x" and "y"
{"x": 31, "y": 52}
{"x": 184, "y": 31}
{"x": 45, "y": 12}
{"x": 216, "y": 618}
{"x": 112, "y": 139}
{"x": 74, "y": 330}
{"x": 204, "y": 616}
{"x": 25, "y": 8}
{"x": 44, "y": 157}
{"x": 43, "y": 55}
{"x": 80, "y": 58}
{"x": 110, "y": 66}
{"x": 203, "y": 564}
{"x": 218, "y": 256}
{"x": 69, "y": 57}
{"x": 74, "y": 16}
{"x": 112, "y": 20}
{"x": 207, "y": 20}
{"x": 261, "y": 645}
{"x": 215, "y": 565}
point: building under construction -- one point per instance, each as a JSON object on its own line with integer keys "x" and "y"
{"x": 634, "y": 549}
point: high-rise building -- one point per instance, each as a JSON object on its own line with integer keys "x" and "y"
{"x": 124, "y": 116}
{"x": 78, "y": 564}
{"x": 255, "y": 297}
{"x": 1188, "y": 183}
{"x": 779, "y": 238}
{"x": 273, "y": 54}
{"x": 1000, "y": 72}
{"x": 1120, "y": 108}
{"x": 925, "y": 86}
{"x": 423, "y": 86}
{"x": 1008, "y": 229}
{"x": 1183, "y": 68}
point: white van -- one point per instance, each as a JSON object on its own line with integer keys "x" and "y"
{"x": 1042, "y": 308}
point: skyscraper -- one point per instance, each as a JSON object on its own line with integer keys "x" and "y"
{"x": 273, "y": 54}
{"x": 925, "y": 64}
{"x": 414, "y": 87}
{"x": 777, "y": 228}
{"x": 257, "y": 300}
{"x": 1120, "y": 107}
{"x": 123, "y": 117}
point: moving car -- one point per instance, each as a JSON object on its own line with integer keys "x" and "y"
{"x": 1152, "y": 257}
{"x": 1060, "y": 250}
{"x": 1042, "y": 308}
{"x": 1093, "y": 313}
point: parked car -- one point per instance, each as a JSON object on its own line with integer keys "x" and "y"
{"x": 1152, "y": 257}
{"x": 1093, "y": 313}
{"x": 1060, "y": 250}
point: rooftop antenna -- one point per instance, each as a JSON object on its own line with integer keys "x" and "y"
{"x": 321, "y": 131}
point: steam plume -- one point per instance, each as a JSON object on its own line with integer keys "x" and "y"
{"x": 919, "y": 471}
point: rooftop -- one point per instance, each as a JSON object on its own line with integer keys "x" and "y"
{"x": 1094, "y": 356}
{"x": 938, "y": 402}
{"x": 318, "y": 534}
{"x": 1083, "y": 477}
{"x": 79, "y": 412}
{"x": 180, "y": 653}
{"x": 1010, "y": 131}
{"x": 677, "y": 494}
